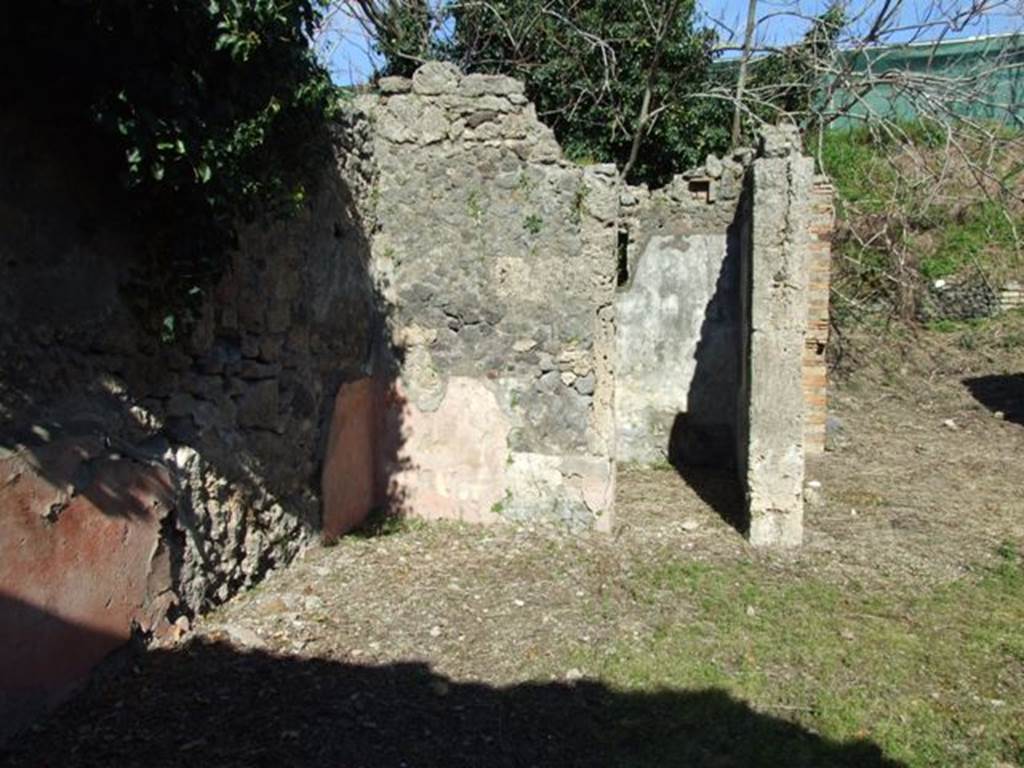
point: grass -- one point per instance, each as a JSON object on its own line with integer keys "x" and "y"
{"x": 981, "y": 230}
{"x": 916, "y": 224}
{"x": 533, "y": 224}
{"x": 860, "y": 172}
{"x": 1003, "y": 332}
{"x": 380, "y": 522}
{"x": 933, "y": 677}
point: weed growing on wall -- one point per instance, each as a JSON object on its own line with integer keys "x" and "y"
{"x": 533, "y": 224}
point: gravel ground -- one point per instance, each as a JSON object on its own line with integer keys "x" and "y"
{"x": 453, "y": 644}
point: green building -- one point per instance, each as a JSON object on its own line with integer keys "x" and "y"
{"x": 981, "y": 77}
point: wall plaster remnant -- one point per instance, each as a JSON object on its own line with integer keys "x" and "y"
{"x": 461, "y": 324}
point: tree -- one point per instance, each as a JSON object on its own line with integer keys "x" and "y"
{"x": 207, "y": 111}
{"x": 616, "y": 81}
{"x": 922, "y": 135}
{"x": 402, "y": 31}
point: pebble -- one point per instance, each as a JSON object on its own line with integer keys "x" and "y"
{"x": 243, "y": 636}
{"x": 275, "y": 604}
{"x": 524, "y": 345}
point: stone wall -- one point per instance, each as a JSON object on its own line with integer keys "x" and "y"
{"x": 681, "y": 324}
{"x": 775, "y": 258}
{"x": 462, "y": 324}
{"x": 819, "y": 279}
{"x": 496, "y": 258}
{"x": 549, "y": 320}
{"x": 968, "y": 296}
{"x": 143, "y": 481}
{"x": 1011, "y": 297}
{"x": 677, "y": 318}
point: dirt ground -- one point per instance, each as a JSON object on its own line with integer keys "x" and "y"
{"x": 448, "y": 644}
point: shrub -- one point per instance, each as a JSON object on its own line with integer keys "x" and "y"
{"x": 208, "y": 113}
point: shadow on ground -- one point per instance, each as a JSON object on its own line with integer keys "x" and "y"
{"x": 720, "y": 490}
{"x": 1000, "y": 393}
{"x": 209, "y": 704}
{"x": 703, "y": 440}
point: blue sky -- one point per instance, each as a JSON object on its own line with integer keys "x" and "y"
{"x": 782, "y": 22}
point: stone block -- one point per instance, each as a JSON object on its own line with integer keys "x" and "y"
{"x": 489, "y": 85}
{"x": 435, "y": 77}
{"x": 432, "y": 125}
{"x": 780, "y": 140}
{"x": 394, "y": 84}
{"x": 258, "y": 405}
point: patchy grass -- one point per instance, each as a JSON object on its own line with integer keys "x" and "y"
{"x": 381, "y": 522}
{"x": 984, "y": 334}
{"x": 981, "y": 236}
{"x": 893, "y": 637}
{"x": 859, "y": 171}
{"x": 934, "y": 677}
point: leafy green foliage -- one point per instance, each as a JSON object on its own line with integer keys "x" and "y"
{"x": 209, "y": 113}
{"x": 587, "y": 65}
{"x": 591, "y": 67}
{"x": 977, "y": 231}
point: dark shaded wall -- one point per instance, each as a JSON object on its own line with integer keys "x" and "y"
{"x": 142, "y": 481}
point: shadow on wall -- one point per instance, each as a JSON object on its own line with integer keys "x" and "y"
{"x": 1000, "y": 394}
{"x": 140, "y": 481}
{"x": 209, "y": 704}
{"x": 83, "y": 385}
{"x": 702, "y": 441}
{"x": 251, "y": 392}
{"x": 363, "y": 453}
{"x": 42, "y": 659}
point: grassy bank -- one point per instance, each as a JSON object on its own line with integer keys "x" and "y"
{"x": 921, "y": 209}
